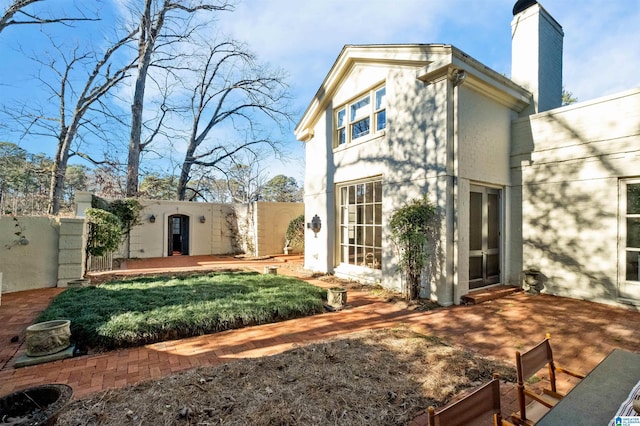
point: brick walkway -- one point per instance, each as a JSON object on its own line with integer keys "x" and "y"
{"x": 582, "y": 332}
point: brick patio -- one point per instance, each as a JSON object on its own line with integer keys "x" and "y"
{"x": 582, "y": 332}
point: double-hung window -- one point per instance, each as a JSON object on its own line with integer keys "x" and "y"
{"x": 361, "y": 117}
{"x": 361, "y": 224}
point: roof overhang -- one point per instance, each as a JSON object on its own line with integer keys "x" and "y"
{"x": 414, "y": 55}
{"x": 432, "y": 62}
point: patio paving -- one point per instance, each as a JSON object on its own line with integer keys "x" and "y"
{"x": 583, "y": 333}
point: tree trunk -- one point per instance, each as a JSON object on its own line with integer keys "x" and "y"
{"x": 185, "y": 173}
{"x": 133, "y": 161}
{"x": 58, "y": 173}
{"x": 145, "y": 49}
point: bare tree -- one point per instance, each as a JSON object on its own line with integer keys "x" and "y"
{"x": 232, "y": 90}
{"x": 17, "y": 14}
{"x": 73, "y": 104}
{"x": 245, "y": 180}
{"x": 154, "y": 35}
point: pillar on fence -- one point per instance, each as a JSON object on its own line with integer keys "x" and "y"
{"x": 71, "y": 250}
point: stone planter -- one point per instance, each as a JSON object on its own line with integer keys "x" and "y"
{"x": 46, "y": 338}
{"x": 82, "y": 282}
{"x": 35, "y": 406}
{"x": 337, "y": 297}
{"x": 271, "y": 270}
{"x": 533, "y": 281}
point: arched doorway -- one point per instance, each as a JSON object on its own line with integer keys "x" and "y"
{"x": 178, "y": 234}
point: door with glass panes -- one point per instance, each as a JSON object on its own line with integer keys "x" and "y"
{"x": 484, "y": 236}
{"x": 630, "y": 239}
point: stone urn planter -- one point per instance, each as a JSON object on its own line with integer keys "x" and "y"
{"x": 35, "y": 406}
{"x": 337, "y": 297}
{"x": 273, "y": 270}
{"x": 46, "y": 338}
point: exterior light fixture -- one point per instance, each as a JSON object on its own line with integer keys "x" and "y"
{"x": 203, "y": 219}
{"x": 315, "y": 225}
{"x": 152, "y": 218}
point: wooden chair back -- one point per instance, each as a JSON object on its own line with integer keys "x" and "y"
{"x": 534, "y": 360}
{"x": 527, "y": 365}
{"x": 481, "y": 402}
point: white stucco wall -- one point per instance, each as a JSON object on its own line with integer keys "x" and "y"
{"x": 409, "y": 156}
{"x": 483, "y": 151}
{"x": 34, "y": 263}
{"x": 569, "y": 162}
{"x": 439, "y": 139}
{"x": 211, "y": 237}
{"x": 272, "y": 221}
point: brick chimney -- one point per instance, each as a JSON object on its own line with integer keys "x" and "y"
{"x": 536, "y": 54}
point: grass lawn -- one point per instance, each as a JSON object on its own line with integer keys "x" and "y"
{"x": 137, "y": 311}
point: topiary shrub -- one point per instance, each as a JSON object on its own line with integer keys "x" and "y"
{"x": 411, "y": 226}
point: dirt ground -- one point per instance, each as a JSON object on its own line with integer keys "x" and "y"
{"x": 384, "y": 377}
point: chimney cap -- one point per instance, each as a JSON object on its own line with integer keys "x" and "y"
{"x": 522, "y": 5}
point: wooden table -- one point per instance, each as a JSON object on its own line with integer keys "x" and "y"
{"x": 596, "y": 399}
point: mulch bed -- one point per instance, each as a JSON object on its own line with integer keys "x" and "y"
{"x": 384, "y": 377}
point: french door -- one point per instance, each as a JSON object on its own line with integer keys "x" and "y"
{"x": 484, "y": 236}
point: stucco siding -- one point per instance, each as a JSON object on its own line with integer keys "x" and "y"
{"x": 272, "y": 223}
{"x": 34, "y": 262}
{"x": 151, "y": 239}
{"x": 570, "y": 192}
{"x": 484, "y": 133}
{"x": 409, "y": 156}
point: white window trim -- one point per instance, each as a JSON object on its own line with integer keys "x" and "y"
{"x": 340, "y": 265}
{"x": 371, "y": 112}
{"x": 628, "y": 289}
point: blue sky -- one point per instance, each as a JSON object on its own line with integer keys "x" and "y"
{"x": 601, "y": 44}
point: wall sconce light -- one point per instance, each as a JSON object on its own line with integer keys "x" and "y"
{"x": 203, "y": 219}
{"x": 152, "y": 219}
{"x": 315, "y": 225}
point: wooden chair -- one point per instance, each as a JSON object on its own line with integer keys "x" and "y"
{"x": 478, "y": 404}
{"x": 527, "y": 365}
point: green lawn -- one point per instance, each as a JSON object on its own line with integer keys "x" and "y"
{"x": 133, "y": 312}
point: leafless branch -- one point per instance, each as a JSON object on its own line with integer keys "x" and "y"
{"x": 17, "y": 10}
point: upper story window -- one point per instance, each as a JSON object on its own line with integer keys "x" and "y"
{"x": 361, "y": 117}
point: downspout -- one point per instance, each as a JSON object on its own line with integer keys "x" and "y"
{"x": 456, "y": 79}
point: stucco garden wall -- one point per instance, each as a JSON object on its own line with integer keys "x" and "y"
{"x": 566, "y": 166}
{"x": 211, "y": 237}
{"x": 46, "y": 252}
{"x": 272, "y": 221}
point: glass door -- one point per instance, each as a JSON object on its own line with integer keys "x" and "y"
{"x": 484, "y": 236}
{"x": 630, "y": 240}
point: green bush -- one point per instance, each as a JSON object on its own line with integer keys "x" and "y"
{"x": 105, "y": 232}
{"x": 411, "y": 226}
{"x": 128, "y": 211}
{"x": 295, "y": 233}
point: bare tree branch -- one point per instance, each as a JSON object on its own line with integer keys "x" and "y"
{"x": 16, "y": 9}
{"x": 230, "y": 87}
{"x": 152, "y": 20}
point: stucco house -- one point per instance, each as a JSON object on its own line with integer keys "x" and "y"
{"x": 520, "y": 182}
